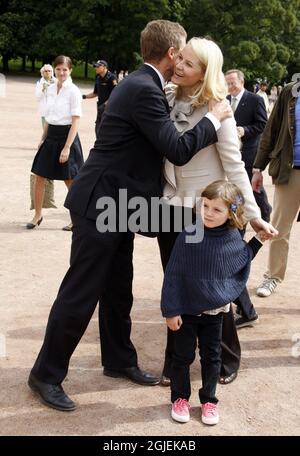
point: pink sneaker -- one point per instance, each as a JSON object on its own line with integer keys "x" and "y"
{"x": 209, "y": 413}
{"x": 181, "y": 410}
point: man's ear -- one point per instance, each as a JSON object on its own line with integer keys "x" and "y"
{"x": 172, "y": 53}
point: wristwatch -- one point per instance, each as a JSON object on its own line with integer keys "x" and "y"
{"x": 256, "y": 170}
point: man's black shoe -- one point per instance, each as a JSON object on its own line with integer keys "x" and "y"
{"x": 51, "y": 395}
{"x": 242, "y": 322}
{"x": 238, "y": 311}
{"x": 133, "y": 373}
{"x": 225, "y": 379}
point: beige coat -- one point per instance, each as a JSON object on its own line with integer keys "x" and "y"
{"x": 219, "y": 161}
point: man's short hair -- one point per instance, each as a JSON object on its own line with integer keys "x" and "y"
{"x": 158, "y": 36}
{"x": 239, "y": 73}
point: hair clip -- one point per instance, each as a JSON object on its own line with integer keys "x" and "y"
{"x": 238, "y": 202}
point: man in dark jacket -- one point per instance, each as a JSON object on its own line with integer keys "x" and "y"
{"x": 104, "y": 85}
{"x": 136, "y": 132}
{"x": 280, "y": 149}
{"x": 251, "y": 117}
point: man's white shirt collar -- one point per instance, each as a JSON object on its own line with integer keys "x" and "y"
{"x": 162, "y": 81}
{"x": 239, "y": 96}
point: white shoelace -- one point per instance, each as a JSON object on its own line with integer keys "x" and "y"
{"x": 269, "y": 284}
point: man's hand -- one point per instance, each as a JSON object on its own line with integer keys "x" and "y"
{"x": 257, "y": 181}
{"x": 259, "y": 225}
{"x": 174, "y": 323}
{"x": 220, "y": 109}
{"x": 240, "y": 132}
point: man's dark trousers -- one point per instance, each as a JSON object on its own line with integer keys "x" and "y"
{"x": 96, "y": 260}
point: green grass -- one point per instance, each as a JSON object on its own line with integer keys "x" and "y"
{"x": 15, "y": 67}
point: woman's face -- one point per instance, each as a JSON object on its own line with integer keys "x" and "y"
{"x": 47, "y": 74}
{"x": 188, "y": 70}
{"x": 62, "y": 72}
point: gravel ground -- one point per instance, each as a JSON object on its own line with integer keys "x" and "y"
{"x": 264, "y": 400}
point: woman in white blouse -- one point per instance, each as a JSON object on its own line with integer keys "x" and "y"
{"x": 199, "y": 80}
{"x": 59, "y": 156}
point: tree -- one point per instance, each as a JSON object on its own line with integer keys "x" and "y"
{"x": 16, "y": 29}
{"x": 260, "y": 38}
{"x": 85, "y": 30}
{"x": 256, "y": 37}
{"x": 115, "y": 33}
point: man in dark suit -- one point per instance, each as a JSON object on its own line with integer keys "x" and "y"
{"x": 136, "y": 132}
{"x": 251, "y": 117}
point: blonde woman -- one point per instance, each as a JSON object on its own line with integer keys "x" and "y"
{"x": 197, "y": 81}
{"x": 41, "y": 89}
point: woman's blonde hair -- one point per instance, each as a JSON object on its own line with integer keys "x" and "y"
{"x": 213, "y": 86}
{"x": 232, "y": 197}
{"x": 47, "y": 66}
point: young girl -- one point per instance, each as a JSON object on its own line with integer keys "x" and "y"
{"x": 200, "y": 281}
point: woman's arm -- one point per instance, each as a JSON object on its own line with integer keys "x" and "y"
{"x": 235, "y": 171}
{"x": 230, "y": 156}
{"x": 39, "y": 90}
{"x": 64, "y": 155}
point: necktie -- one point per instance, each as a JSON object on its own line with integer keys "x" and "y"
{"x": 233, "y": 103}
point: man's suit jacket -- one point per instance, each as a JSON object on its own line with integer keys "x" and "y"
{"x": 252, "y": 116}
{"x": 135, "y": 134}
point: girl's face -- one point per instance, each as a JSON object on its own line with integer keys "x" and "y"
{"x": 62, "y": 72}
{"x": 188, "y": 71}
{"x": 214, "y": 212}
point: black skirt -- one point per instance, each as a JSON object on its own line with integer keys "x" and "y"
{"x": 46, "y": 162}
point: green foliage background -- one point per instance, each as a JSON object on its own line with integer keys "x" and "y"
{"x": 260, "y": 38}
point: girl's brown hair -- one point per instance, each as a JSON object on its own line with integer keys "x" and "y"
{"x": 232, "y": 197}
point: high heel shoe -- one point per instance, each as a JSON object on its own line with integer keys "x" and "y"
{"x": 30, "y": 226}
{"x": 165, "y": 381}
{"x": 68, "y": 227}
